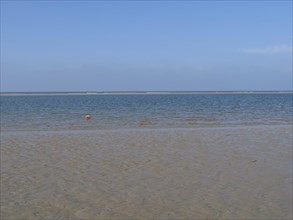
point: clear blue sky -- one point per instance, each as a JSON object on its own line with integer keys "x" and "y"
{"x": 155, "y": 46}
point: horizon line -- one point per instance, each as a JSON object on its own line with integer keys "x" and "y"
{"x": 100, "y": 91}
{"x": 35, "y": 93}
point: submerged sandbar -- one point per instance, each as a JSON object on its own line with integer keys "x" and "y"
{"x": 236, "y": 173}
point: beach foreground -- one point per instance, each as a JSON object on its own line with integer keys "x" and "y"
{"x": 228, "y": 173}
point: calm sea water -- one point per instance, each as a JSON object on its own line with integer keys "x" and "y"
{"x": 57, "y": 165}
{"x": 41, "y": 113}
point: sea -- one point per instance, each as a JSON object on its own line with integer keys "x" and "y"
{"x": 55, "y": 112}
{"x": 146, "y": 156}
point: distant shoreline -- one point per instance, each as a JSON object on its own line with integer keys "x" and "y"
{"x": 139, "y": 93}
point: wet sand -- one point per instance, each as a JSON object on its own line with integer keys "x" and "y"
{"x": 226, "y": 173}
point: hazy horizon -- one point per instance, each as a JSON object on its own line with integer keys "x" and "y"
{"x": 153, "y": 91}
{"x": 146, "y": 46}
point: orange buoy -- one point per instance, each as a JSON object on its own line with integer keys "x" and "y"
{"x": 88, "y": 117}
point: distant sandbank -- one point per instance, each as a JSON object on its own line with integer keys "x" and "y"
{"x": 139, "y": 93}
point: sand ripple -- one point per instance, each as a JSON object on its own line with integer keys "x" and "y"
{"x": 242, "y": 173}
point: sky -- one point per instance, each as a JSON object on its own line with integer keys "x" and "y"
{"x": 51, "y": 46}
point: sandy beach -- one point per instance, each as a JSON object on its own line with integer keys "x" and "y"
{"x": 213, "y": 173}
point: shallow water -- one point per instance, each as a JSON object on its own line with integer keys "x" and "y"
{"x": 214, "y": 173}
{"x": 167, "y": 169}
{"x": 140, "y": 111}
